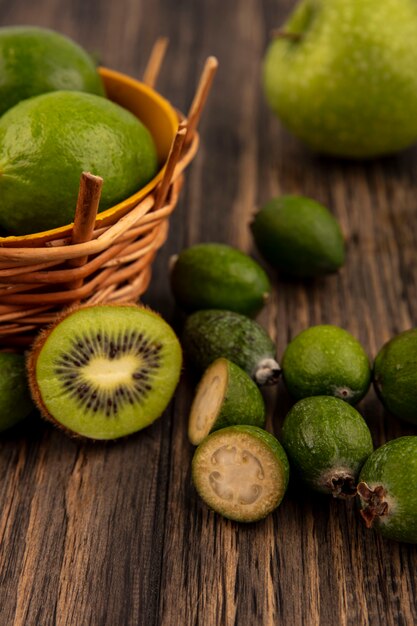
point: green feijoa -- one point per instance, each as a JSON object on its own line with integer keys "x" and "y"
{"x": 387, "y": 490}
{"x": 225, "y": 396}
{"x": 217, "y": 276}
{"x": 395, "y": 375}
{"x": 326, "y": 360}
{"x": 241, "y": 472}
{"x": 299, "y": 236}
{"x": 15, "y": 400}
{"x": 215, "y": 333}
{"x": 327, "y": 441}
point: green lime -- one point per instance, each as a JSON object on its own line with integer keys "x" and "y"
{"x": 15, "y": 400}
{"x": 299, "y": 236}
{"x": 241, "y": 472}
{"x": 37, "y": 60}
{"x": 387, "y": 490}
{"x": 327, "y": 442}
{"x": 326, "y": 360}
{"x": 225, "y": 396}
{"x": 46, "y": 142}
{"x": 395, "y": 375}
{"x": 217, "y": 276}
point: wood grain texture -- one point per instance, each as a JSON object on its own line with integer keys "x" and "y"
{"x": 114, "y": 534}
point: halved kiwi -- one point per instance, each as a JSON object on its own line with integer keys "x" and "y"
{"x": 105, "y": 371}
{"x": 225, "y": 396}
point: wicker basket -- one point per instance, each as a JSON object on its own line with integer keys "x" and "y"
{"x": 99, "y": 258}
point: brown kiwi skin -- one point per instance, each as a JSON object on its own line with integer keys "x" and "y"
{"x": 32, "y": 358}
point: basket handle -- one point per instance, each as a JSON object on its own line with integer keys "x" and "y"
{"x": 173, "y": 158}
{"x": 89, "y": 193}
{"x": 151, "y": 73}
{"x": 200, "y": 97}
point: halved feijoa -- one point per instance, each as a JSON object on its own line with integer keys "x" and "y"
{"x": 217, "y": 276}
{"x": 387, "y": 490}
{"x": 327, "y": 442}
{"x": 326, "y": 360}
{"x": 225, "y": 396}
{"x": 299, "y": 236}
{"x": 214, "y": 333}
{"x": 105, "y": 371}
{"x": 395, "y": 375}
{"x": 241, "y": 472}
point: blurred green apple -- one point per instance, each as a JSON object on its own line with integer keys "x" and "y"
{"x": 342, "y": 75}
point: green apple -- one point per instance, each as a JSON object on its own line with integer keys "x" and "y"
{"x": 342, "y": 75}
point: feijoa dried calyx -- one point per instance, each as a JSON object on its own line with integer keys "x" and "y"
{"x": 241, "y": 472}
{"x": 217, "y": 276}
{"x": 327, "y": 441}
{"x": 395, "y": 375}
{"x": 15, "y": 400}
{"x": 105, "y": 371}
{"x": 387, "y": 490}
{"x": 214, "y": 333}
{"x": 225, "y": 396}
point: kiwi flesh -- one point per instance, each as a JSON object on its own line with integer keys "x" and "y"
{"x": 105, "y": 371}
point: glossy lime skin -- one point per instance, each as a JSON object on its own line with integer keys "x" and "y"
{"x": 394, "y": 467}
{"x": 326, "y": 360}
{"x": 299, "y": 236}
{"x": 46, "y": 142}
{"x": 37, "y": 60}
{"x": 217, "y": 276}
{"x": 15, "y": 400}
{"x": 348, "y": 85}
{"x": 323, "y": 435}
{"x": 395, "y": 375}
{"x": 214, "y": 333}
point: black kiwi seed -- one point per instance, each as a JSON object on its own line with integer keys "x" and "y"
{"x": 104, "y": 371}
{"x": 70, "y": 369}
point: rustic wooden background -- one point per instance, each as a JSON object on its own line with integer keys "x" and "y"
{"x": 115, "y": 535}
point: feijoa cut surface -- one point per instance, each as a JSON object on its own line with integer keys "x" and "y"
{"x": 395, "y": 375}
{"x": 105, "y": 371}
{"x": 241, "y": 472}
{"x": 326, "y": 360}
{"x": 225, "y": 396}
{"x": 217, "y": 276}
{"x": 299, "y": 236}
{"x": 15, "y": 400}
{"x": 327, "y": 441}
{"x": 387, "y": 490}
{"x": 213, "y": 333}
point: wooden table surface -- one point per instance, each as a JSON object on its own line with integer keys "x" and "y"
{"x": 114, "y": 534}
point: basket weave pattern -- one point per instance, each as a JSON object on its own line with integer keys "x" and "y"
{"x": 113, "y": 265}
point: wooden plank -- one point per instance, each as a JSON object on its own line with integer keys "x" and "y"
{"x": 115, "y": 534}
